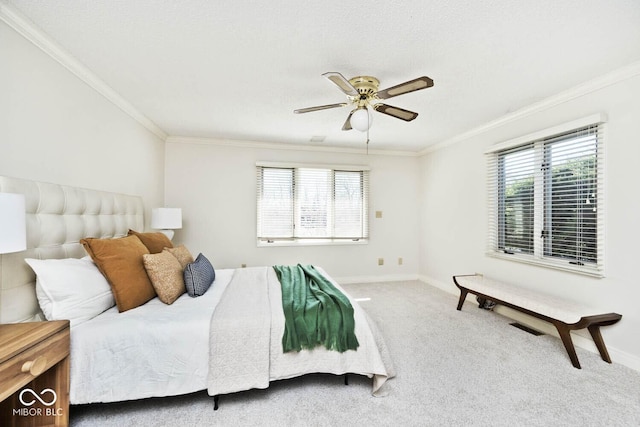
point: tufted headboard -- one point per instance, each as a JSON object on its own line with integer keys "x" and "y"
{"x": 58, "y": 217}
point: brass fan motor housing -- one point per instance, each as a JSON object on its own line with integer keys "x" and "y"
{"x": 367, "y": 86}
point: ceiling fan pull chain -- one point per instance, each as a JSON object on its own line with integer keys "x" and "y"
{"x": 367, "y": 140}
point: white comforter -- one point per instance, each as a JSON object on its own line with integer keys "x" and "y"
{"x": 246, "y": 340}
{"x": 151, "y": 351}
{"x": 163, "y": 350}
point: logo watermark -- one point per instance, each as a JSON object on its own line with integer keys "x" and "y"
{"x": 47, "y": 397}
{"x": 36, "y": 397}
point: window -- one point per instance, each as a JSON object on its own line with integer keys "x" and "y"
{"x": 546, "y": 198}
{"x": 311, "y": 204}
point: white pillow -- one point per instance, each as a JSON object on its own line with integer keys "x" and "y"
{"x": 71, "y": 288}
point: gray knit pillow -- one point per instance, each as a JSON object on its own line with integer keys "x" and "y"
{"x": 198, "y": 276}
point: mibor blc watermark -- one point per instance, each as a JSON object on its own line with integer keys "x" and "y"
{"x": 29, "y": 397}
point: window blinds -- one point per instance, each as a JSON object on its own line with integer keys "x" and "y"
{"x": 311, "y": 203}
{"x": 275, "y": 203}
{"x": 545, "y": 200}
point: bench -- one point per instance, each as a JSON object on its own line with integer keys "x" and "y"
{"x": 564, "y": 315}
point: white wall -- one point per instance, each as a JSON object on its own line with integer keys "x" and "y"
{"x": 454, "y": 213}
{"x": 55, "y": 128}
{"x": 215, "y": 184}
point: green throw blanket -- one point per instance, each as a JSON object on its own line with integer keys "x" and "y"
{"x": 316, "y": 313}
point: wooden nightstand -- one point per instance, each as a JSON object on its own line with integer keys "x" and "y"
{"x": 34, "y": 374}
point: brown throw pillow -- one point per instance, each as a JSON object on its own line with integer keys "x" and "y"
{"x": 165, "y": 273}
{"x": 155, "y": 242}
{"x": 182, "y": 254}
{"x": 120, "y": 261}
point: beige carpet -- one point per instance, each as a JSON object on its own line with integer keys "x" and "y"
{"x": 454, "y": 369}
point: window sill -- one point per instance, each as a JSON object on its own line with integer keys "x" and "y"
{"x": 310, "y": 242}
{"x": 550, "y": 263}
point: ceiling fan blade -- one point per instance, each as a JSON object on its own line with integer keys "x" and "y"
{"x": 344, "y": 85}
{"x": 347, "y": 123}
{"x": 406, "y": 87}
{"x": 396, "y": 112}
{"x": 320, "y": 107}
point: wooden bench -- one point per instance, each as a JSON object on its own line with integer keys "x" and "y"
{"x": 564, "y": 315}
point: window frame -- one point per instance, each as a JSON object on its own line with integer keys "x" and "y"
{"x": 540, "y": 143}
{"x": 293, "y": 239}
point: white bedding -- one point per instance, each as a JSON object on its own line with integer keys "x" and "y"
{"x": 246, "y": 337}
{"x": 162, "y": 350}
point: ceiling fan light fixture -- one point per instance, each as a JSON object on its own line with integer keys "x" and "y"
{"x": 361, "y": 119}
{"x": 362, "y": 92}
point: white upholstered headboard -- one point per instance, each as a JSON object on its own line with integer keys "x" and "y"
{"x": 58, "y": 217}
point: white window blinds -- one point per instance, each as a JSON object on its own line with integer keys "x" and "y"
{"x": 311, "y": 203}
{"x": 275, "y": 202}
{"x": 546, "y": 200}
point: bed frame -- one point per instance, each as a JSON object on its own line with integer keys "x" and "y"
{"x": 58, "y": 217}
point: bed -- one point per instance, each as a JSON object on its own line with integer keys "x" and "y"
{"x": 159, "y": 349}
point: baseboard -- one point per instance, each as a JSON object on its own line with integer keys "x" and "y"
{"x": 447, "y": 287}
{"x": 622, "y": 357}
{"x": 376, "y": 279}
{"x": 579, "y": 340}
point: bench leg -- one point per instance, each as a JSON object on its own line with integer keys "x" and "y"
{"x": 463, "y": 295}
{"x": 594, "y": 330}
{"x": 565, "y": 335}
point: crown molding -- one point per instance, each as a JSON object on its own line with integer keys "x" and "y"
{"x": 29, "y": 30}
{"x": 282, "y": 146}
{"x": 588, "y": 87}
{"x": 23, "y": 26}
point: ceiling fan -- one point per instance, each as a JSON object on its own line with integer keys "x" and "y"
{"x": 363, "y": 94}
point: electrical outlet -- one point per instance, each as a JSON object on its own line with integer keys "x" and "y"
{"x": 380, "y": 261}
{"x": 378, "y": 214}
{"x": 400, "y": 261}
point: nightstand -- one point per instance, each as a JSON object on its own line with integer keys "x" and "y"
{"x": 34, "y": 373}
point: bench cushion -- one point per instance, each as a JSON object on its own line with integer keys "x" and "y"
{"x": 547, "y": 305}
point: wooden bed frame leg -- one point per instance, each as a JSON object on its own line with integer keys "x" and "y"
{"x": 565, "y": 334}
{"x": 346, "y": 379}
{"x": 594, "y": 330}
{"x": 216, "y": 399}
{"x": 463, "y": 296}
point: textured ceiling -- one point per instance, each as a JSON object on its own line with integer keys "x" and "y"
{"x": 237, "y": 69}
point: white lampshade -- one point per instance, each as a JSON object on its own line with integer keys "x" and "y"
{"x": 166, "y": 218}
{"x": 13, "y": 230}
{"x": 361, "y": 119}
